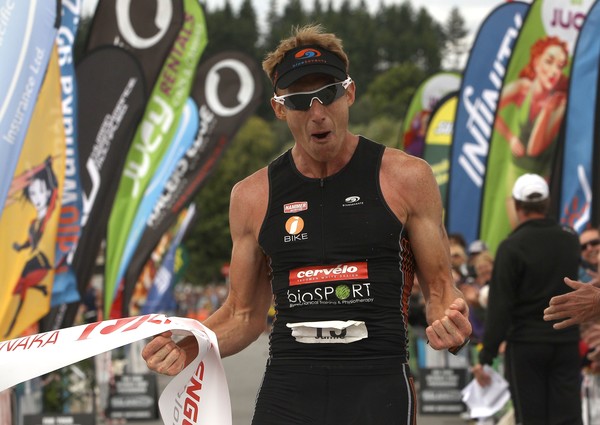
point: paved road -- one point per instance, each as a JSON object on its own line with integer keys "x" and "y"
{"x": 244, "y": 373}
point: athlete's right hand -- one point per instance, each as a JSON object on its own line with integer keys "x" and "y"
{"x": 163, "y": 355}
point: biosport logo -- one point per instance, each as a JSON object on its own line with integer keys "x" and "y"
{"x": 344, "y": 293}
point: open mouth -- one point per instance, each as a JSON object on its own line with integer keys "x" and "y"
{"x": 321, "y": 136}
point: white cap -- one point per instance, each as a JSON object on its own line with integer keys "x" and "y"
{"x": 477, "y": 246}
{"x": 528, "y": 185}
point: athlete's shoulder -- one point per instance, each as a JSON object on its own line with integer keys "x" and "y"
{"x": 248, "y": 203}
{"x": 409, "y": 168}
{"x": 251, "y": 188}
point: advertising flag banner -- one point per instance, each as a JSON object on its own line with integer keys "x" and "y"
{"x": 64, "y": 289}
{"x": 153, "y": 136}
{"x": 531, "y": 108}
{"x": 111, "y": 102}
{"x": 227, "y": 91}
{"x": 423, "y": 101}
{"x": 184, "y": 137}
{"x": 146, "y": 29}
{"x": 581, "y": 145}
{"x": 438, "y": 140}
{"x": 29, "y": 224}
{"x": 27, "y": 34}
{"x": 477, "y": 102}
{"x": 162, "y": 287}
{"x": 197, "y": 395}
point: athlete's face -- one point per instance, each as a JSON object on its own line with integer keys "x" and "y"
{"x": 321, "y": 130}
{"x": 550, "y": 65}
{"x": 39, "y": 194}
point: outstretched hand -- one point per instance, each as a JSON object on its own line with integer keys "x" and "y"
{"x": 576, "y": 307}
{"x": 453, "y": 329}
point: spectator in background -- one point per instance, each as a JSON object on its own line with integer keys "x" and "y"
{"x": 458, "y": 259}
{"x": 590, "y": 334}
{"x": 542, "y": 365}
{"x": 472, "y": 288}
{"x": 457, "y": 238}
{"x": 475, "y": 248}
{"x": 590, "y": 248}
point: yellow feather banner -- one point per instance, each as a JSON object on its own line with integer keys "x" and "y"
{"x": 29, "y": 221}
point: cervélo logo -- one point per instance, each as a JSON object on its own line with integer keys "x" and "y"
{"x": 330, "y": 273}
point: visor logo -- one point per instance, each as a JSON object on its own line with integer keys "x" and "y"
{"x": 307, "y": 54}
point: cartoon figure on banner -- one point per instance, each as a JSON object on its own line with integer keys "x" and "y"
{"x": 540, "y": 97}
{"x": 39, "y": 187}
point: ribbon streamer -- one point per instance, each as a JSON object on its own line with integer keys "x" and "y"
{"x": 198, "y": 394}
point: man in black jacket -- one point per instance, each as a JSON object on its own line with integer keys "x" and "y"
{"x": 542, "y": 364}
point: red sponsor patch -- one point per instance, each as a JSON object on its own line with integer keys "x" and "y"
{"x": 331, "y": 273}
{"x": 295, "y": 207}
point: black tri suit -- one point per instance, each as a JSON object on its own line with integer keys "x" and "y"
{"x": 342, "y": 273}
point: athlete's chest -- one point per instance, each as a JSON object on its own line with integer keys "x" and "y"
{"x": 318, "y": 222}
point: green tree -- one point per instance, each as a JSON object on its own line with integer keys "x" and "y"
{"x": 395, "y": 37}
{"x": 228, "y": 30}
{"x": 428, "y": 44}
{"x": 389, "y": 94}
{"x": 456, "y": 45}
{"x": 248, "y": 29}
{"x": 382, "y": 129}
{"x": 280, "y": 26}
{"x": 208, "y": 241}
{"x": 358, "y": 44}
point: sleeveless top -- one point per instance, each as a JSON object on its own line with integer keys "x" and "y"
{"x": 337, "y": 254}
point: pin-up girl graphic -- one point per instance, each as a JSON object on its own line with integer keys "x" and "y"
{"x": 39, "y": 187}
{"x": 541, "y": 96}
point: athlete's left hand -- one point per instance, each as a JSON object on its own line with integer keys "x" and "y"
{"x": 453, "y": 329}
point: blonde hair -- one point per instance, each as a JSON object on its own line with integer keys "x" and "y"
{"x": 483, "y": 257}
{"x": 313, "y": 34}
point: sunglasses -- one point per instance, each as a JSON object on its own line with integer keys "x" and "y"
{"x": 302, "y": 101}
{"x": 593, "y": 242}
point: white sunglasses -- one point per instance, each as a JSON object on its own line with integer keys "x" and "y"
{"x": 302, "y": 101}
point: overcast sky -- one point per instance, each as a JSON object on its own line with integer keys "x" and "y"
{"x": 474, "y": 11}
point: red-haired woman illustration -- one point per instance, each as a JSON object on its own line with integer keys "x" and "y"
{"x": 540, "y": 94}
{"x": 41, "y": 190}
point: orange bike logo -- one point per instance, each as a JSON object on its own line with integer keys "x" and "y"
{"x": 294, "y": 225}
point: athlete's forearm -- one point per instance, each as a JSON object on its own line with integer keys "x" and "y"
{"x": 235, "y": 330}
